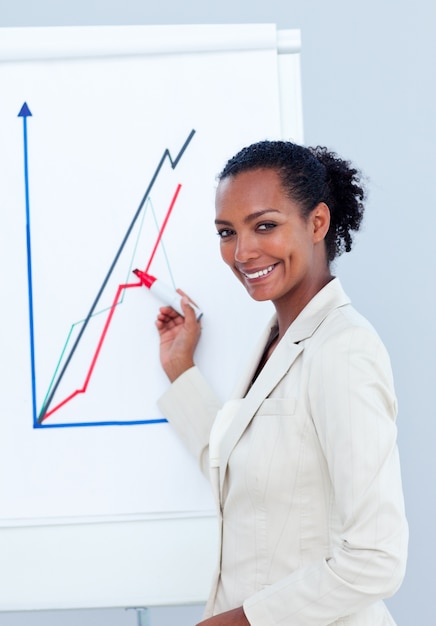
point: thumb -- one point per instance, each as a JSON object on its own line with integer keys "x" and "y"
{"x": 188, "y": 310}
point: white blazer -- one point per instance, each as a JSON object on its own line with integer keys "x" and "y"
{"x": 305, "y": 470}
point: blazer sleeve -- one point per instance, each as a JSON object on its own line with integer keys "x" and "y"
{"x": 352, "y": 404}
{"x": 190, "y": 405}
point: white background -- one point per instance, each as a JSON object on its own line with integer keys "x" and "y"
{"x": 368, "y": 88}
{"x": 98, "y": 130}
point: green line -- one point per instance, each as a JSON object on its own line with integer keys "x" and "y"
{"x": 129, "y": 271}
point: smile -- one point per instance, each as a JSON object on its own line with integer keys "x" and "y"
{"x": 259, "y": 273}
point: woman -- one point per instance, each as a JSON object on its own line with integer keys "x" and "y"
{"x": 303, "y": 458}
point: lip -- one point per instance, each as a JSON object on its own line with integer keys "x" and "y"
{"x": 257, "y": 273}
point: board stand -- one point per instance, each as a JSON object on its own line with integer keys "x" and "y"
{"x": 142, "y": 616}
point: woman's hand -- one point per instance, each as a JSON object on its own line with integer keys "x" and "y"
{"x": 179, "y": 336}
{"x": 235, "y": 617}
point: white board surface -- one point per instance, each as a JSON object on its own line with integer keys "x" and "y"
{"x": 111, "y": 139}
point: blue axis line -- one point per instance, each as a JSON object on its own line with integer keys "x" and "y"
{"x": 159, "y": 420}
{"x": 25, "y": 113}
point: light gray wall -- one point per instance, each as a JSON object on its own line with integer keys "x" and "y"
{"x": 368, "y": 90}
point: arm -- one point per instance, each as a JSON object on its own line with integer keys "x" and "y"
{"x": 190, "y": 405}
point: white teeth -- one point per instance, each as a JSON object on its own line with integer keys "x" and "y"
{"x": 260, "y": 273}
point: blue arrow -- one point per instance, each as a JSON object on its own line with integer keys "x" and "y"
{"x": 25, "y": 113}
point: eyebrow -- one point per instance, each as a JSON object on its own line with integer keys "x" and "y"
{"x": 249, "y": 218}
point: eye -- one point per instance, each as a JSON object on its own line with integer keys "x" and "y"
{"x": 224, "y": 233}
{"x": 265, "y": 226}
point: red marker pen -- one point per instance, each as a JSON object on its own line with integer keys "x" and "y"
{"x": 166, "y": 294}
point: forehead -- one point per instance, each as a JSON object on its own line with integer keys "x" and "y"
{"x": 250, "y": 184}
{"x": 253, "y": 190}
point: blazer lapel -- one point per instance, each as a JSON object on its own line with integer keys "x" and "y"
{"x": 276, "y": 367}
{"x": 244, "y": 382}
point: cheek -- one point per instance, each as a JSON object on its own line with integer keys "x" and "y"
{"x": 227, "y": 253}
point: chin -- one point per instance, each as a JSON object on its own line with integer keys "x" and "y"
{"x": 258, "y": 297}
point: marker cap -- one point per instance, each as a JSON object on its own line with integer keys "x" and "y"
{"x": 146, "y": 279}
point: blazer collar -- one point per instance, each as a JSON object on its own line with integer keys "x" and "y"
{"x": 329, "y": 298}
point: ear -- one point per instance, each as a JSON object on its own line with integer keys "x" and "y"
{"x": 320, "y": 218}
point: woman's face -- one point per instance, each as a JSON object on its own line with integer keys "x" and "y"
{"x": 276, "y": 253}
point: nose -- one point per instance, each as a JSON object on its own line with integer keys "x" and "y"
{"x": 246, "y": 248}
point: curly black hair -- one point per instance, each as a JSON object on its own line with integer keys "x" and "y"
{"x": 310, "y": 176}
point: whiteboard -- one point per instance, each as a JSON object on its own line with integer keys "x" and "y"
{"x": 110, "y": 142}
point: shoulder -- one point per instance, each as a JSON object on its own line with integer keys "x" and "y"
{"x": 346, "y": 350}
{"x": 345, "y": 325}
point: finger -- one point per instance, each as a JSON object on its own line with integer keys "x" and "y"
{"x": 168, "y": 311}
{"x": 192, "y": 319}
{"x": 182, "y": 293}
{"x": 188, "y": 311}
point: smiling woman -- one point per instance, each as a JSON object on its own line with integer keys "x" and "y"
{"x": 303, "y": 458}
{"x": 284, "y": 212}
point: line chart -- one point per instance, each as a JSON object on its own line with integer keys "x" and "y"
{"x": 46, "y": 411}
{"x": 56, "y": 397}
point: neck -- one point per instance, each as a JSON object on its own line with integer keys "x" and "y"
{"x": 289, "y": 309}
